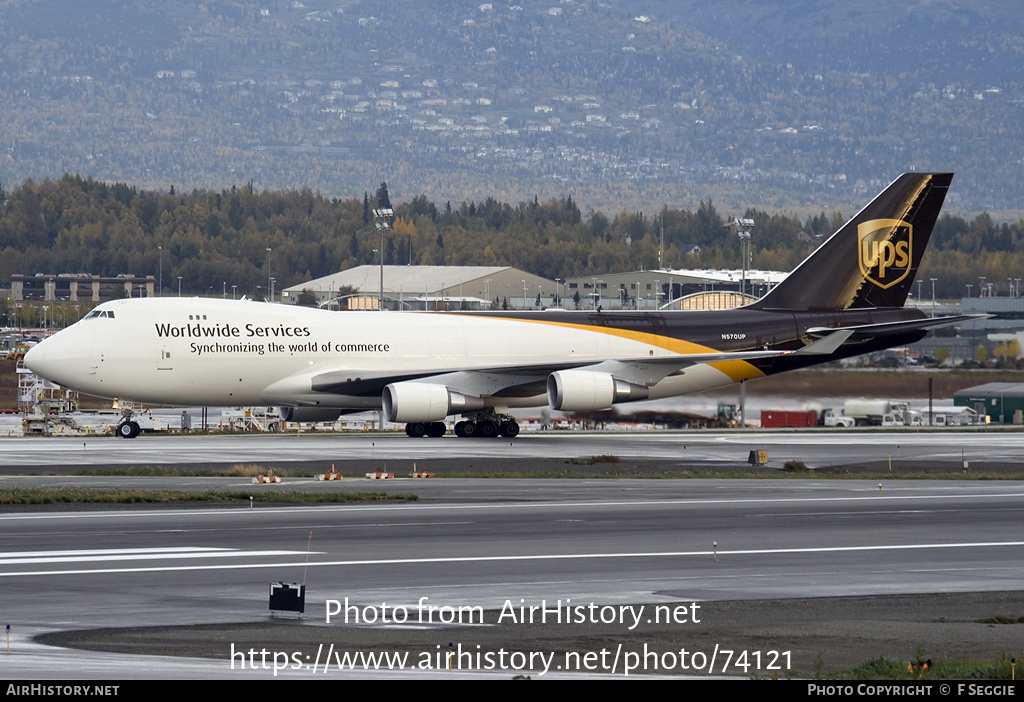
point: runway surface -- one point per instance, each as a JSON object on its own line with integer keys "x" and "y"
{"x": 483, "y": 543}
{"x": 819, "y": 449}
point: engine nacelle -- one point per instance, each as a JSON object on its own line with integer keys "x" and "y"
{"x": 425, "y": 402}
{"x": 582, "y": 391}
{"x": 309, "y": 414}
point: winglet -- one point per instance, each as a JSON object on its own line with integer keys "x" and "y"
{"x": 827, "y": 345}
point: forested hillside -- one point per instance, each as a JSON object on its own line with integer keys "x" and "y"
{"x": 620, "y": 103}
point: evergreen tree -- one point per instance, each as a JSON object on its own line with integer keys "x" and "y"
{"x": 383, "y": 199}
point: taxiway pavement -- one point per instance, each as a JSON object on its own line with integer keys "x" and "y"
{"x": 487, "y": 544}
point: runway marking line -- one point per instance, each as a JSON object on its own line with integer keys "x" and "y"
{"x": 130, "y": 554}
{"x": 535, "y": 557}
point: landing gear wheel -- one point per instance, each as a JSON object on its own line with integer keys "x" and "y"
{"x": 509, "y": 429}
{"x": 416, "y": 429}
{"x": 464, "y": 429}
{"x": 436, "y": 430}
{"x": 128, "y": 430}
{"x": 487, "y": 429}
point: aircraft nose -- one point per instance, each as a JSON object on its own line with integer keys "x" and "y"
{"x": 52, "y": 358}
{"x": 38, "y": 360}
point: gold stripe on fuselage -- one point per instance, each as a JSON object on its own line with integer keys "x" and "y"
{"x": 736, "y": 370}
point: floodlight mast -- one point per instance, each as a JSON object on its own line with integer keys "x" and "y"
{"x": 742, "y": 226}
{"x": 382, "y": 220}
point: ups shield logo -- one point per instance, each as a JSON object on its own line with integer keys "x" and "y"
{"x": 884, "y": 250}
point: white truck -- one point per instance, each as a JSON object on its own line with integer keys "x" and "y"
{"x": 876, "y": 413}
{"x": 829, "y": 418}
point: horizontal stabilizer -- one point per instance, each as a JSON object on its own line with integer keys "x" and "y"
{"x": 869, "y": 331}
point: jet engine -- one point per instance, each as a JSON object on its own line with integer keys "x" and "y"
{"x": 308, "y": 414}
{"x": 425, "y": 402}
{"x": 581, "y": 391}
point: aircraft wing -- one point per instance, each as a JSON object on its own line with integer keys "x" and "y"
{"x": 524, "y": 380}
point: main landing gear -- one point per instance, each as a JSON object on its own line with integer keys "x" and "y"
{"x": 431, "y": 429}
{"x": 482, "y": 425}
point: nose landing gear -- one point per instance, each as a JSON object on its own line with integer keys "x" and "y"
{"x": 127, "y": 429}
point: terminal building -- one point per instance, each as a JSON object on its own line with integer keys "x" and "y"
{"x": 79, "y": 287}
{"x": 1005, "y": 324}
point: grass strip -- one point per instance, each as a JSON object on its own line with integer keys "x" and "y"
{"x": 51, "y": 496}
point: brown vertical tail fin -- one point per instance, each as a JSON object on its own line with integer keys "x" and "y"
{"x": 872, "y": 260}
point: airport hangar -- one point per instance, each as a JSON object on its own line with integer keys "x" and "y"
{"x": 484, "y": 287}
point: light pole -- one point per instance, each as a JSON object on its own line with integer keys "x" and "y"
{"x": 272, "y": 281}
{"x": 179, "y": 286}
{"x": 233, "y": 291}
{"x": 161, "y": 250}
{"x": 268, "y": 269}
{"x": 380, "y": 295}
{"x": 933, "y": 295}
{"x": 382, "y": 220}
{"x": 742, "y": 226}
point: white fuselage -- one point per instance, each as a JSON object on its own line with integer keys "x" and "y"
{"x": 194, "y": 351}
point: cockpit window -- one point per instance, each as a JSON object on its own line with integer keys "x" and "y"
{"x": 99, "y": 313}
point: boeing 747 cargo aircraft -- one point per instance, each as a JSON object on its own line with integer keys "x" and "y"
{"x": 421, "y": 367}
